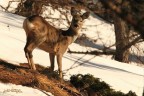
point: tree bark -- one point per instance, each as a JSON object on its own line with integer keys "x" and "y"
{"x": 122, "y": 39}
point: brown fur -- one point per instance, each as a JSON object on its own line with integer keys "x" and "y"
{"x": 50, "y": 39}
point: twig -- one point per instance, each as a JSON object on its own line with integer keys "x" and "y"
{"x": 80, "y": 64}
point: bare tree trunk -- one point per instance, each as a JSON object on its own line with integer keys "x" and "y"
{"x": 122, "y": 40}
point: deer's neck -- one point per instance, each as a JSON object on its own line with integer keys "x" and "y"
{"x": 71, "y": 32}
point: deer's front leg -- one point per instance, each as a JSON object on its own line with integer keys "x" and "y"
{"x": 52, "y": 58}
{"x": 59, "y": 62}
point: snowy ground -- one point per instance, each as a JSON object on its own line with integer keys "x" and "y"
{"x": 18, "y": 90}
{"x": 120, "y": 76}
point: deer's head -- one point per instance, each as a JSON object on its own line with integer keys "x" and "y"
{"x": 77, "y": 20}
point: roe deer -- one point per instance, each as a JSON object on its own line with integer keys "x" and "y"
{"x": 50, "y": 39}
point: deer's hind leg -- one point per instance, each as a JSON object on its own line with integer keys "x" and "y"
{"x": 31, "y": 44}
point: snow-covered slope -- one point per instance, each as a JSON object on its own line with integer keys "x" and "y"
{"x": 120, "y": 76}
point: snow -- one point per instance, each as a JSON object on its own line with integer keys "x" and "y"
{"x": 12, "y": 4}
{"x": 18, "y": 90}
{"x": 121, "y": 76}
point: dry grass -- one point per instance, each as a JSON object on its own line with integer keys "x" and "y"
{"x": 42, "y": 79}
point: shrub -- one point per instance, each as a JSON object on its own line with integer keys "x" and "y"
{"x": 91, "y": 84}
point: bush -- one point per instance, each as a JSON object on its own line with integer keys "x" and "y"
{"x": 91, "y": 84}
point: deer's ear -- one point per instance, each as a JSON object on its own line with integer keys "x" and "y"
{"x": 73, "y": 11}
{"x": 85, "y": 15}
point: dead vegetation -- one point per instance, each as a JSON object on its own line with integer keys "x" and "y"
{"x": 42, "y": 79}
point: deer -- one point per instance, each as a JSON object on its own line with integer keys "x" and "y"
{"x": 40, "y": 34}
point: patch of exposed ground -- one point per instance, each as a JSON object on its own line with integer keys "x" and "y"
{"x": 41, "y": 79}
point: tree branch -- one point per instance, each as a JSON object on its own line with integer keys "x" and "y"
{"x": 111, "y": 52}
{"x": 132, "y": 43}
